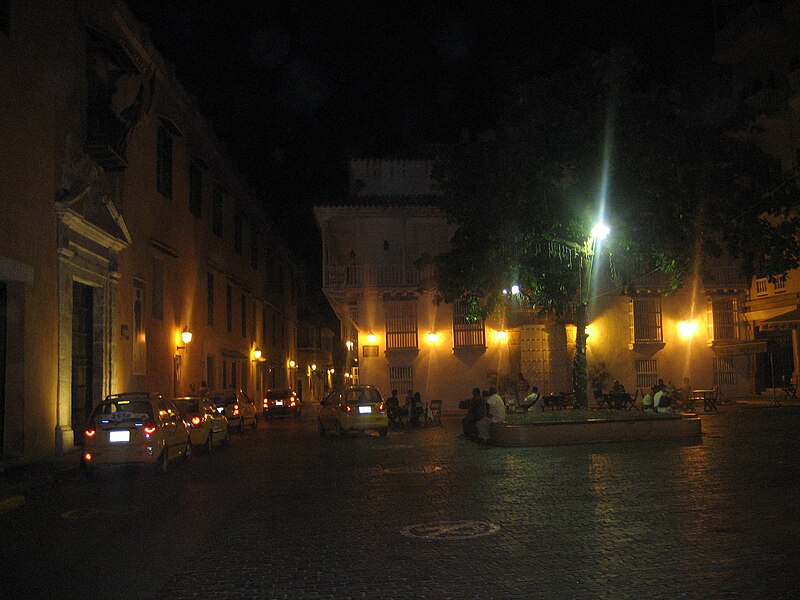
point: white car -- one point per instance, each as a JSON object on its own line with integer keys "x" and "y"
{"x": 353, "y": 408}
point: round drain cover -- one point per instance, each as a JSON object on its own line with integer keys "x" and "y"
{"x": 450, "y": 530}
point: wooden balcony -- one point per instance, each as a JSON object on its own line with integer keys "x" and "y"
{"x": 377, "y": 276}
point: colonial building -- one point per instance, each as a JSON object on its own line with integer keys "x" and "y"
{"x": 400, "y": 337}
{"x": 757, "y": 45}
{"x": 132, "y": 254}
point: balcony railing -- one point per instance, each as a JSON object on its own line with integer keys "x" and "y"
{"x": 725, "y": 277}
{"x": 380, "y": 276}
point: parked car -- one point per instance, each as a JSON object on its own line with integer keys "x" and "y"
{"x": 206, "y": 424}
{"x": 281, "y": 402}
{"x": 134, "y": 428}
{"x": 237, "y": 406}
{"x": 353, "y": 408}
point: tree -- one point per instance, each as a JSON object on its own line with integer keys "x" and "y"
{"x": 601, "y": 141}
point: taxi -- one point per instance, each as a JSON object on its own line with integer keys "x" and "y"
{"x": 206, "y": 425}
{"x": 135, "y": 428}
{"x": 354, "y": 408}
{"x": 237, "y": 406}
{"x": 281, "y": 402}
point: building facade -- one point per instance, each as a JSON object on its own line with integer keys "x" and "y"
{"x": 125, "y": 228}
{"x": 400, "y": 336}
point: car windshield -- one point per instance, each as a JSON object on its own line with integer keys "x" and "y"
{"x": 124, "y": 410}
{"x": 188, "y": 407}
{"x": 362, "y": 396}
{"x": 279, "y": 394}
{"x": 221, "y": 399}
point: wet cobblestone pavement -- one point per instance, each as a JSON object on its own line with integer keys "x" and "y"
{"x": 426, "y": 514}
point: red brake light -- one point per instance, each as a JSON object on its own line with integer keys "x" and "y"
{"x": 90, "y": 431}
{"x": 87, "y": 456}
{"x": 235, "y": 409}
{"x": 382, "y": 407}
{"x": 347, "y": 408}
{"x": 149, "y": 427}
{"x": 195, "y": 421}
{"x": 266, "y": 403}
{"x": 292, "y": 403}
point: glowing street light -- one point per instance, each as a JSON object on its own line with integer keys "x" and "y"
{"x": 600, "y": 231}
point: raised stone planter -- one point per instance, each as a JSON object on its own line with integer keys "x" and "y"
{"x": 596, "y": 430}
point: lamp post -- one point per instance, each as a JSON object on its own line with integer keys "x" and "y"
{"x": 579, "y": 376}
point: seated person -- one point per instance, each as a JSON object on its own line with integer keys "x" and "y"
{"x": 662, "y": 402}
{"x": 617, "y": 388}
{"x": 477, "y": 410}
{"x": 647, "y": 402}
{"x": 415, "y": 410}
{"x": 531, "y": 399}
{"x": 495, "y": 413}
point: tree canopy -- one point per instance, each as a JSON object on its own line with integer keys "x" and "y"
{"x": 600, "y": 141}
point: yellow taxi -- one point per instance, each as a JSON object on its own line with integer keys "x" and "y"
{"x": 354, "y": 408}
{"x": 134, "y": 428}
{"x": 237, "y": 406}
{"x": 206, "y": 425}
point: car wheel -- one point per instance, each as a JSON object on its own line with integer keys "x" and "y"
{"x": 320, "y": 426}
{"x": 340, "y": 431}
{"x": 383, "y": 431}
{"x": 210, "y": 441}
{"x": 187, "y": 451}
{"x": 162, "y": 462}
{"x": 227, "y": 439}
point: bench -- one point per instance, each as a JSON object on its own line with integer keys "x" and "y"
{"x": 790, "y": 391}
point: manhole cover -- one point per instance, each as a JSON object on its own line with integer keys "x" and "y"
{"x": 450, "y": 530}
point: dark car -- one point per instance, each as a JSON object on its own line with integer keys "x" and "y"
{"x": 281, "y": 402}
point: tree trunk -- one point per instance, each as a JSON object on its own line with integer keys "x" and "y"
{"x": 579, "y": 378}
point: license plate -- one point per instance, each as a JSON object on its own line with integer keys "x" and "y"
{"x": 364, "y": 410}
{"x": 119, "y": 436}
{"x": 278, "y": 402}
{"x": 220, "y": 409}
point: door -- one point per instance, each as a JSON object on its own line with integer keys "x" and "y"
{"x": 778, "y": 361}
{"x": 82, "y": 347}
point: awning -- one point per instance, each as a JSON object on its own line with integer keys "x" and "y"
{"x": 784, "y": 322}
{"x": 754, "y": 316}
{"x": 228, "y": 353}
{"x": 740, "y": 348}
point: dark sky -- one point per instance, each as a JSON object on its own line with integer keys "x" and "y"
{"x": 296, "y": 88}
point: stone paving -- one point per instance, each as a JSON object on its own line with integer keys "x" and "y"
{"x": 425, "y": 514}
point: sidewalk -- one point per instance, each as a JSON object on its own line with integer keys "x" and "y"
{"x": 18, "y": 478}
{"x": 764, "y": 401}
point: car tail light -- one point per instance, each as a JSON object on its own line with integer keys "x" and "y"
{"x": 292, "y": 403}
{"x": 346, "y": 408}
{"x": 87, "y": 456}
{"x": 382, "y": 407}
{"x": 266, "y": 403}
{"x": 235, "y": 409}
{"x": 195, "y": 421}
{"x": 149, "y": 428}
{"x": 90, "y": 431}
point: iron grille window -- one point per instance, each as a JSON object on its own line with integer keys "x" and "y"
{"x": 216, "y": 212}
{"x": 401, "y": 379}
{"x": 195, "y": 191}
{"x": 164, "y": 162}
{"x": 210, "y": 300}
{"x": 723, "y": 319}
{"x": 401, "y": 324}
{"x": 646, "y": 373}
{"x": 780, "y": 285}
{"x": 646, "y": 320}
{"x": 237, "y": 233}
{"x": 724, "y": 373}
{"x": 466, "y": 334}
{"x": 761, "y": 286}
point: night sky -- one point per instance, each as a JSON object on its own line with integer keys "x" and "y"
{"x": 297, "y": 88}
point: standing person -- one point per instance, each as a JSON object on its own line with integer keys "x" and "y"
{"x": 477, "y": 410}
{"x": 496, "y": 413}
{"x": 416, "y": 409}
{"x": 522, "y": 389}
{"x": 532, "y": 399}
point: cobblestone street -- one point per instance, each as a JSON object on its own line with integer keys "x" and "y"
{"x": 423, "y": 513}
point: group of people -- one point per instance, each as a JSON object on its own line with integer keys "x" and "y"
{"x": 662, "y": 398}
{"x": 412, "y": 408}
{"x": 488, "y": 406}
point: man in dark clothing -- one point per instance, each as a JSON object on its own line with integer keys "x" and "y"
{"x": 477, "y": 410}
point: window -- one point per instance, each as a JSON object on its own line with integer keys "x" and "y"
{"x": 210, "y": 300}
{"x": 229, "y": 308}
{"x": 216, "y": 211}
{"x": 164, "y": 161}
{"x": 233, "y": 373}
{"x": 646, "y": 373}
{"x": 646, "y": 320}
{"x": 761, "y": 286}
{"x": 211, "y": 372}
{"x": 224, "y": 374}
{"x": 195, "y": 190}
{"x": 253, "y": 249}
{"x": 723, "y": 319}
{"x": 253, "y": 319}
{"x": 723, "y": 371}
{"x": 780, "y": 284}
{"x": 401, "y": 324}
{"x": 465, "y": 334}
{"x": 401, "y": 379}
{"x": 237, "y": 233}
{"x": 244, "y": 315}
{"x": 264, "y": 324}
{"x": 158, "y": 289}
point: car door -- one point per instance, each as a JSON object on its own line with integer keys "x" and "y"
{"x": 328, "y": 408}
{"x": 248, "y": 408}
{"x": 177, "y": 429}
{"x": 167, "y": 426}
{"x": 212, "y": 416}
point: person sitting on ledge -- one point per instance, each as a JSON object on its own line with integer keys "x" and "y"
{"x": 531, "y": 399}
{"x": 496, "y": 413}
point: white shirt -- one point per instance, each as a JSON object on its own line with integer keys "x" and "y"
{"x": 657, "y": 398}
{"x": 497, "y": 408}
